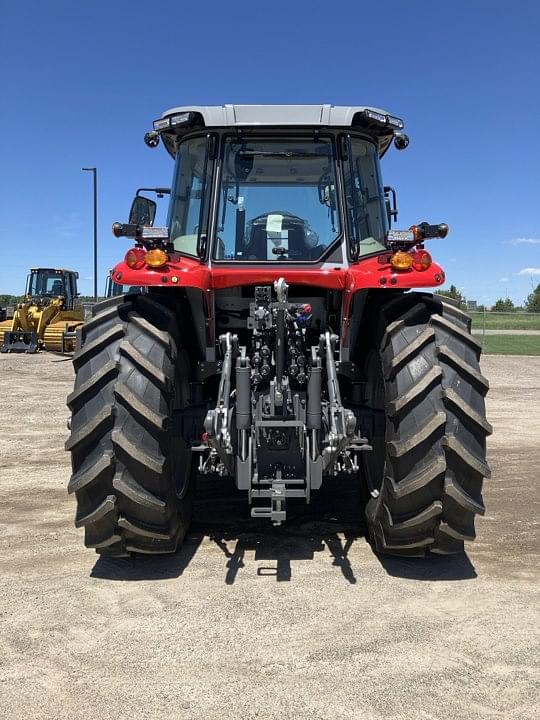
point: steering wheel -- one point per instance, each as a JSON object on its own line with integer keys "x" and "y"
{"x": 284, "y": 214}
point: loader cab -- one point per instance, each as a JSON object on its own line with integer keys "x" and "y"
{"x": 45, "y": 284}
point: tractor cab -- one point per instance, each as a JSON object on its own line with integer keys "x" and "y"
{"x": 285, "y": 195}
{"x": 46, "y": 284}
{"x": 296, "y": 187}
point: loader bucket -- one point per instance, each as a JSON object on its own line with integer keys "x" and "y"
{"x": 20, "y": 341}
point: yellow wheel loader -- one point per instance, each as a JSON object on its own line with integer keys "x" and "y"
{"x": 49, "y": 315}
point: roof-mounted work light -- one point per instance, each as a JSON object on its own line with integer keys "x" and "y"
{"x": 167, "y": 123}
{"x": 181, "y": 119}
{"x": 161, "y": 124}
{"x": 173, "y": 121}
{"x": 373, "y": 117}
{"x": 395, "y": 122}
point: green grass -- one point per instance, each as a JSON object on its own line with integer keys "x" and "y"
{"x": 506, "y": 321}
{"x": 511, "y": 344}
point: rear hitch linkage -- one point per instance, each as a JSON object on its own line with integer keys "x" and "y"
{"x": 277, "y": 432}
{"x": 218, "y": 421}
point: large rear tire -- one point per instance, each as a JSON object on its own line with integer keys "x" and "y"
{"x": 427, "y": 469}
{"x": 131, "y": 471}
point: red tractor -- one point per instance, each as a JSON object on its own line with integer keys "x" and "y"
{"x": 282, "y": 336}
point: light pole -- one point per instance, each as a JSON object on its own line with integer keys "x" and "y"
{"x": 93, "y": 170}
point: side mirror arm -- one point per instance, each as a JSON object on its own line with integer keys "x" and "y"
{"x": 391, "y": 205}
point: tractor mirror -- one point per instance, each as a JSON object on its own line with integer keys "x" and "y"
{"x": 143, "y": 211}
{"x": 390, "y": 199}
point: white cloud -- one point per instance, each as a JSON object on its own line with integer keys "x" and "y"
{"x": 525, "y": 241}
{"x": 504, "y": 280}
{"x": 529, "y": 271}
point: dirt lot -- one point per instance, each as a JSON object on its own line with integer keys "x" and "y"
{"x": 249, "y": 622}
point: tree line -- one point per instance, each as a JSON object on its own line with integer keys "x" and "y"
{"x": 531, "y": 304}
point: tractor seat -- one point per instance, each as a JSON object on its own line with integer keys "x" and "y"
{"x": 260, "y": 244}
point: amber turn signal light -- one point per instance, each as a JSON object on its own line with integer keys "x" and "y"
{"x": 401, "y": 260}
{"x": 156, "y": 258}
{"x": 421, "y": 260}
{"x": 134, "y": 258}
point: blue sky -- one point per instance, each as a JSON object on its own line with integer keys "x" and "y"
{"x": 82, "y": 81}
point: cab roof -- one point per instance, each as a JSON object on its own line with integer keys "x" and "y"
{"x": 178, "y": 121}
{"x": 54, "y": 270}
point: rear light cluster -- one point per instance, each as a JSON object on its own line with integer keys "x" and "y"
{"x": 421, "y": 260}
{"x": 417, "y": 260}
{"x": 136, "y": 258}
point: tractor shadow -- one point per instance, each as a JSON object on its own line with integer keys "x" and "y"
{"x": 331, "y": 523}
{"x": 435, "y": 567}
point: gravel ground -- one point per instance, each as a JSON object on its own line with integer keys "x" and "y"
{"x": 250, "y": 622}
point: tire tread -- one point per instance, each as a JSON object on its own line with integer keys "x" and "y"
{"x": 435, "y": 432}
{"x": 121, "y": 440}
